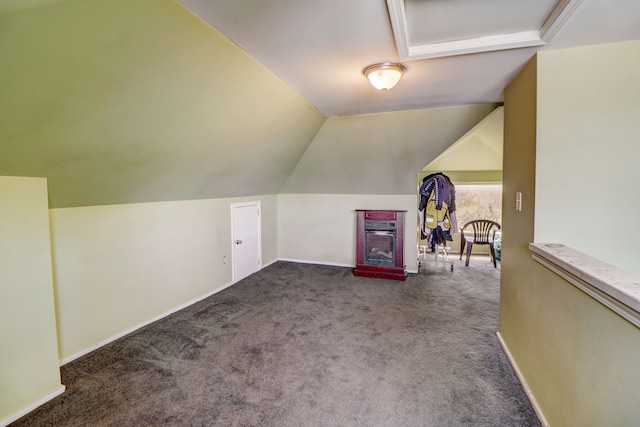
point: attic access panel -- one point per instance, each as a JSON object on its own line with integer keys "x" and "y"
{"x": 426, "y": 29}
{"x": 435, "y": 21}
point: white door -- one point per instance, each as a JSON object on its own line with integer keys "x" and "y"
{"x": 245, "y": 233}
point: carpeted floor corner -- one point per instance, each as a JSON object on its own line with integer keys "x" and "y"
{"x": 308, "y": 345}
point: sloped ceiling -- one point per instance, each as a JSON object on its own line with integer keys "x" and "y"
{"x": 119, "y": 101}
{"x": 7, "y": 6}
{"x": 379, "y": 153}
{"x": 480, "y": 149}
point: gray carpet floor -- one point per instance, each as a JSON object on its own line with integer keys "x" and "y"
{"x": 308, "y": 345}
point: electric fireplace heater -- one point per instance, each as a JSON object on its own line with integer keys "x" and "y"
{"x": 380, "y": 251}
{"x": 380, "y": 242}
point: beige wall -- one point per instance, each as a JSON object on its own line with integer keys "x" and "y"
{"x": 29, "y": 370}
{"x": 578, "y": 358}
{"x": 321, "y": 228}
{"x": 120, "y": 266}
{"x": 588, "y": 130}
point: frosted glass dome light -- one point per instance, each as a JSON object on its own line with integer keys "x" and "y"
{"x": 385, "y": 75}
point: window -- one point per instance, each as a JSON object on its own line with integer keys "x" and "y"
{"x": 478, "y": 201}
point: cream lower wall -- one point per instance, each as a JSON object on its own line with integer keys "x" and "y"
{"x": 29, "y": 369}
{"x": 119, "y": 266}
{"x": 321, "y": 228}
{"x": 587, "y": 151}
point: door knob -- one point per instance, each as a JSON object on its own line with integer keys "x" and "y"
{"x": 238, "y": 242}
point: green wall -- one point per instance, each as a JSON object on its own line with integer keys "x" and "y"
{"x": 122, "y": 101}
{"x": 479, "y": 150}
{"x": 577, "y": 357}
{"x": 379, "y": 153}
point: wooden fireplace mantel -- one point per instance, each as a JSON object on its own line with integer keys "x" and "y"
{"x": 384, "y": 226}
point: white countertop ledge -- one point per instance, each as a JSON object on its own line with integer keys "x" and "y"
{"x": 615, "y": 288}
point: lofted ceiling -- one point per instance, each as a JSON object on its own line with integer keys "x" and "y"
{"x": 457, "y": 52}
{"x": 480, "y": 149}
{"x": 121, "y": 101}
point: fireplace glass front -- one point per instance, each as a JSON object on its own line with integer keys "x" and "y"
{"x": 380, "y": 249}
{"x": 380, "y": 237}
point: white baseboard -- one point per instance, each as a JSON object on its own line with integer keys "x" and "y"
{"x": 305, "y": 261}
{"x": 185, "y": 305}
{"x": 175, "y": 309}
{"x": 527, "y": 389}
{"x": 163, "y": 315}
{"x": 31, "y": 407}
{"x": 135, "y": 328}
{"x": 331, "y": 264}
{"x": 269, "y": 263}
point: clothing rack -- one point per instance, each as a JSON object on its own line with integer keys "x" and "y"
{"x": 437, "y": 215}
{"x": 424, "y": 251}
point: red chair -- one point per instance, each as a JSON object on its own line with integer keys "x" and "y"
{"x": 478, "y": 232}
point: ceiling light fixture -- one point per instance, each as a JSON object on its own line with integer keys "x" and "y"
{"x": 385, "y": 75}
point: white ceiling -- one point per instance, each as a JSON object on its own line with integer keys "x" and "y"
{"x": 320, "y": 47}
